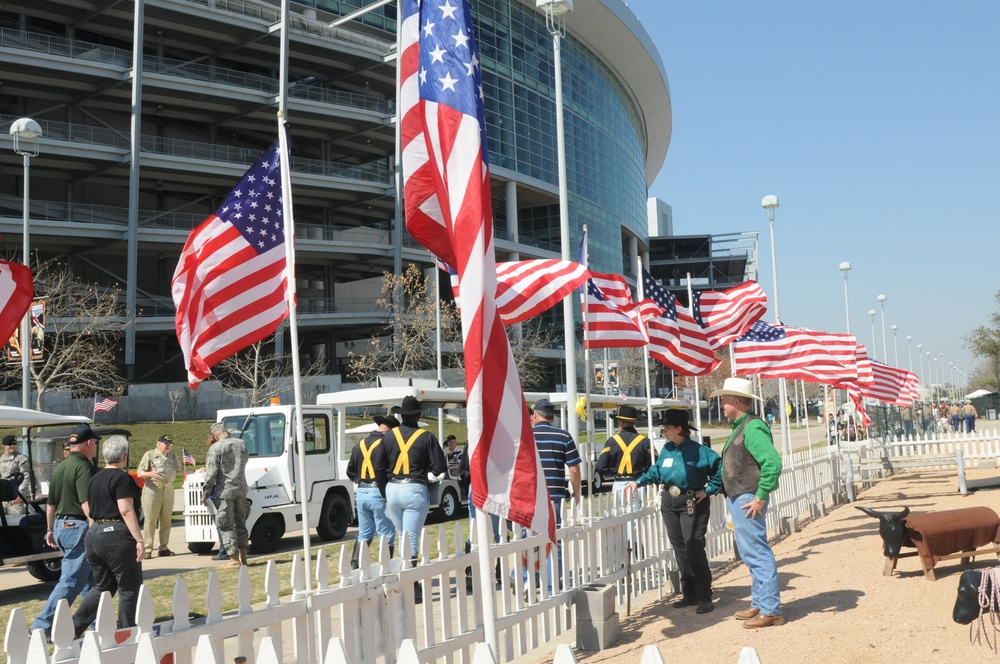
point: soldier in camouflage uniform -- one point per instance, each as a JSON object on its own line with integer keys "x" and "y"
{"x": 11, "y": 462}
{"x": 225, "y": 477}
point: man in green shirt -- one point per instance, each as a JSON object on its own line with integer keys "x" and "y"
{"x": 750, "y": 470}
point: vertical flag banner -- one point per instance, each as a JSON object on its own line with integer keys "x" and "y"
{"x": 16, "y": 291}
{"x": 230, "y": 286}
{"x": 448, "y": 206}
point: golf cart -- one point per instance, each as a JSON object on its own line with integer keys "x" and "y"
{"x": 22, "y": 536}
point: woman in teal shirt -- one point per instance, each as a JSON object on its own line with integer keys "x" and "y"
{"x": 690, "y": 472}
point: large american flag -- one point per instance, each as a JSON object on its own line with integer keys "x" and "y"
{"x": 675, "y": 338}
{"x": 449, "y": 210}
{"x": 528, "y": 288}
{"x": 16, "y": 293}
{"x": 230, "y": 286}
{"x": 889, "y": 384}
{"x": 725, "y": 315}
{"x": 796, "y": 354}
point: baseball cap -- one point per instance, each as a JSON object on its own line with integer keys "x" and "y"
{"x": 82, "y": 433}
{"x": 166, "y": 438}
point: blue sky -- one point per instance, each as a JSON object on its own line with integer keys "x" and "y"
{"x": 877, "y": 124}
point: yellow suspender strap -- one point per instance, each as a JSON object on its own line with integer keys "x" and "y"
{"x": 625, "y": 465}
{"x": 403, "y": 461}
{"x": 367, "y": 469}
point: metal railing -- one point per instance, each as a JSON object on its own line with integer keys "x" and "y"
{"x": 74, "y": 133}
{"x": 72, "y": 48}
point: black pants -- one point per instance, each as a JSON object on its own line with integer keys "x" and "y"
{"x": 111, "y": 554}
{"x": 687, "y": 537}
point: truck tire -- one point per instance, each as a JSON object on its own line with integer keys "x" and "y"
{"x": 335, "y": 517}
{"x": 45, "y": 570}
{"x": 201, "y": 547}
{"x": 598, "y": 483}
{"x": 267, "y": 534}
{"x": 448, "y": 506}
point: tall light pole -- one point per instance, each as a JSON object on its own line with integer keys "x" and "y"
{"x": 895, "y": 345}
{"x": 555, "y": 20}
{"x": 920, "y": 356}
{"x": 845, "y": 267}
{"x": 26, "y": 133}
{"x": 930, "y": 374}
{"x": 770, "y": 203}
{"x": 940, "y": 369}
{"x": 885, "y": 346}
{"x": 871, "y": 316}
{"x": 909, "y": 350}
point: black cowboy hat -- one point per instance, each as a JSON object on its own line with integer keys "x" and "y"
{"x": 389, "y": 421}
{"x": 677, "y": 417}
{"x": 410, "y": 406}
{"x": 626, "y": 414}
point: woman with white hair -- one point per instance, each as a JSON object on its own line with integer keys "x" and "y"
{"x": 114, "y": 543}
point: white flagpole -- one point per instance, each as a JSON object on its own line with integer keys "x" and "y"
{"x": 589, "y": 424}
{"x": 645, "y": 363}
{"x": 805, "y": 405}
{"x": 697, "y": 391}
{"x": 437, "y": 342}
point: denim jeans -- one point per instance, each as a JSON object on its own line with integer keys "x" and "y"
{"x": 407, "y": 505}
{"x": 555, "y": 572}
{"x": 751, "y": 539}
{"x": 76, "y": 577}
{"x": 371, "y": 516}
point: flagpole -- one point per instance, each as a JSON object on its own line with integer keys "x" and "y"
{"x": 697, "y": 391}
{"x": 589, "y": 424}
{"x": 437, "y": 342}
{"x": 806, "y": 406}
{"x": 645, "y": 362}
{"x": 293, "y": 331}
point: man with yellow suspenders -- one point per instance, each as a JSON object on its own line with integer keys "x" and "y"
{"x": 626, "y": 455}
{"x": 410, "y": 454}
{"x": 367, "y": 469}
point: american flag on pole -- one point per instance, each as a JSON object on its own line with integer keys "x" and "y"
{"x": 606, "y": 324}
{"x": 891, "y": 385}
{"x": 795, "y": 354}
{"x": 725, "y": 315}
{"x": 528, "y": 288}
{"x": 449, "y": 210}
{"x": 16, "y": 293}
{"x": 675, "y": 338}
{"x": 188, "y": 458}
{"x": 230, "y": 286}
{"x": 104, "y": 404}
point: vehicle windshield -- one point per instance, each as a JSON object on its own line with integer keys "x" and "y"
{"x": 264, "y": 434}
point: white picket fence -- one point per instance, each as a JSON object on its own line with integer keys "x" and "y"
{"x": 372, "y": 610}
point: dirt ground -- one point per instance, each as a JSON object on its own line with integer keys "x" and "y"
{"x": 837, "y": 604}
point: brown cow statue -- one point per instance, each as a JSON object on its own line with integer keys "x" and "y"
{"x": 891, "y": 528}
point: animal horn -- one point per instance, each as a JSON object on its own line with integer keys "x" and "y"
{"x": 869, "y": 512}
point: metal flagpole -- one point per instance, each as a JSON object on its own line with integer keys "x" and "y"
{"x": 645, "y": 362}
{"x": 805, "y": 405}
{"x": 589, "y": 424}
{"x": 697, "y": 390}
{"x": 437, "y": 340}
{"x": 293, "y": 327}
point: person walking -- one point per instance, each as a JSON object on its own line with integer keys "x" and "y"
{"x": 558, "y": 453}
{"x": 955, "y": 413}
{"x": 158, "y": 467}
{"x": 410, "y": 454}
{"x": 114, "y": 544}
{"x": 970, "y": 414}
{"x": 691, "y": 472}
{"x": 66, "y": 514}
{"x": 750, "y": 471}
{"x": 367, "y": 469}
{"x": 626, "y": 455}
{"x": 11, "y": 463}
{"x": 225, "y": 478}
{"x": 927, "y": 412}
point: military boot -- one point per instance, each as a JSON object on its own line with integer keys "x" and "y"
{"x": 234, "y": 562}
{"x": 243, "y": 556}
{"x": 418, "y": 588}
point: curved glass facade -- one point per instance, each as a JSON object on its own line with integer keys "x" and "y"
{"x": 605, "y": 140}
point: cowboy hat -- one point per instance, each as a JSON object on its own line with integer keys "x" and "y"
{"x": 389, "y": 421}
{"x": 678, "y": 417}
{"x": 410, "y": 406}
{"x": 626, "y": 414}
{"x": 736, "y": 387}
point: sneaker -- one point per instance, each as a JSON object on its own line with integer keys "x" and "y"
{"x": 163, "y": 553}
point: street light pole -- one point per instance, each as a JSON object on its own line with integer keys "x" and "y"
{"x": 920, "y": 356}
{"x": 909, "y": 350}
{"x": 26, "y": 133}
{"x": 845, "y": 267}
{"x": 769, "y": 203}
{"x": 895, "y": 345}
{"x": 885, "y": 347}
{"x": 871, "y": 316}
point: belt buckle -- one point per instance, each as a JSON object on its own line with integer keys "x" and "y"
{"x": 674, "y": 490}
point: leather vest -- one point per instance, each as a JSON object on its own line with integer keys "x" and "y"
{"x": 740, "y": 471}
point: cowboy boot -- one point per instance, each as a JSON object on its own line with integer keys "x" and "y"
{"x": 356, "y": 555}
{"x": 243, "y": 556}
{"x": 418, "y": 589}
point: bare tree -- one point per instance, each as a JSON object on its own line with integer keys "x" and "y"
{"x": 84, "y": 330}
{"x": 526, "y": 339}
{"x": 175, "y": 400}
{"x": 255, "y": 375}
{"x": 191, "y": 398}
{"x": 408, "y": 341}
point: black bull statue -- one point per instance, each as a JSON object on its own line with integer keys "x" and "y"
{"x": 891, "y": 528}
{"x": 973, "y": 597}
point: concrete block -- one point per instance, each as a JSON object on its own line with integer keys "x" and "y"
{"x": 817, "y": 510}
{"x": 595, "y": 602}
{"x": 789, "y": 525}
{"x": 987, "y": 464}
{"x": 597, "y": 634}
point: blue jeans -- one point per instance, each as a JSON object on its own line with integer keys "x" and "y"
{"x": 76, "y": 577}
{"x": 407, "y": 505}
{"x": 371, "y": 516}
{"x": 554, "y": 572}
{"x": 751, "y": 539}
{"x": 493, "y": 517}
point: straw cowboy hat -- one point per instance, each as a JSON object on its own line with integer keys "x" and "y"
{"x": 736, "y": 387}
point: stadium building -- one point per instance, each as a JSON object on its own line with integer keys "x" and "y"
{"x": 138, "y": 150}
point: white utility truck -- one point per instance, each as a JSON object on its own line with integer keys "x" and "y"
{"x": 273, "y": 470}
